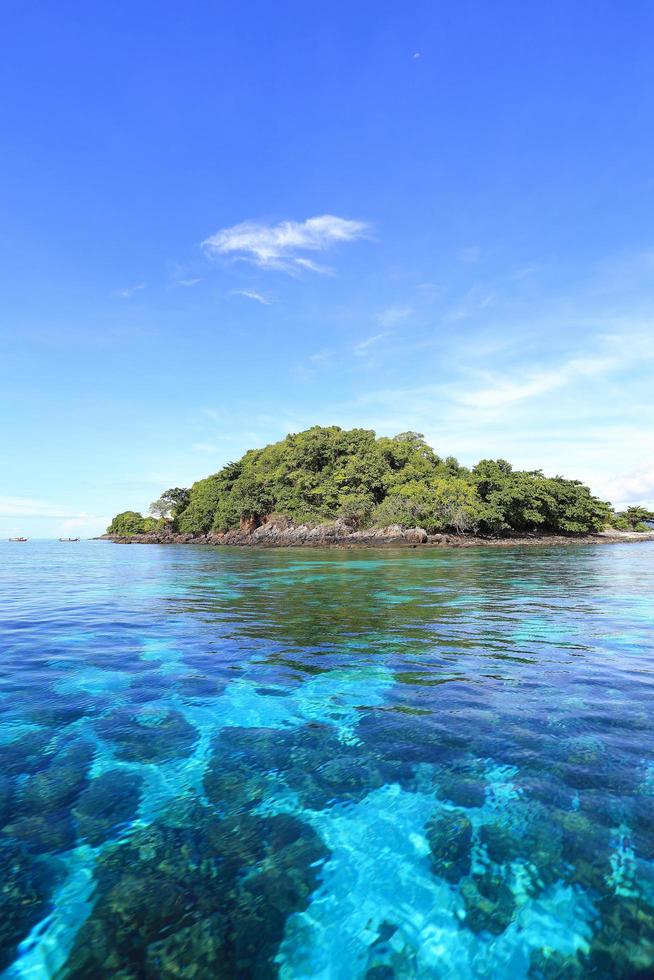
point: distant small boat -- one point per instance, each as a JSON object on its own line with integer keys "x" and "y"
{"x": 69, "y": 539}
{"x": 17, "y": 539}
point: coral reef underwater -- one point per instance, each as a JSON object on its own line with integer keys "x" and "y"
{"x": 267, "y": 765}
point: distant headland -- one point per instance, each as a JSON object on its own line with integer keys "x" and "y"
{"x": 331, "y": 486}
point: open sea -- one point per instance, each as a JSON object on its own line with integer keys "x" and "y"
{"x": 327, "y": 765}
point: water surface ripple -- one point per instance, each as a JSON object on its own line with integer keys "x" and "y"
{"x": 326, "y": 764}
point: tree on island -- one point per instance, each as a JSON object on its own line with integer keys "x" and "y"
{"x": 634, "y": 518}
{"x": 171, "y": 503}
{"x": 166, "y": 508}
{"x": 328, "y": 473}
{"x": 129, "y": 522}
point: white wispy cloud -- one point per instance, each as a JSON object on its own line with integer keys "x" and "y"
{"x": 29, "y": 507}
{"x": 254, "y": 295}
{"x": 131, "y": 290}
{"x": 607, "y": 354}
{"x": 283, "y": 246}
{"x": 311, "y": 266}
{"x": 365, "y": 345}
{"x": 505, "y": 391}
{"x": 569, "y": 415}
{"x": 470, "y": 254}
{"x": 205, "y": 447}
{"x": 393, "y": 315}
{"x": 475, "y": 301}
{"x": 76, "y": 526}
{"x": 187, "y": 283}
{"x": 212, "y": 414}
{"x": 635, "y": 487}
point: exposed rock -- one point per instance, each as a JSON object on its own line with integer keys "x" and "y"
{"x": 250, "y": 524}
{"x": 416, "y": 535}
{"x": 280, "y": 532}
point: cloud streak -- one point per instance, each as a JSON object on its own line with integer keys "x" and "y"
{"x": 393, "y": 315}
{"x": 636, "y": 487}
{"x": 253, "y": 294}
{"x": 284, "y": 246}
{"x": 504, "y": 392}
{"x": 364, "y": 345}
{"x": 470, "y": 254}
{"x": 28, "y": 507}
{"x": 131, "y": 290}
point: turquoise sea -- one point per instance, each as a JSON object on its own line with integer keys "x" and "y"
{"x": 326, "y": 764}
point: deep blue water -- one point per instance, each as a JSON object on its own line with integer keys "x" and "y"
{"x": 326, "y": 764}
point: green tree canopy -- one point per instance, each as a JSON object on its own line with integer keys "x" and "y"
{"x": 636, "y": 518}
{"x": 326, "y": 473}
{"x": 128, "y": 523}
{"x": 171, "y": 502}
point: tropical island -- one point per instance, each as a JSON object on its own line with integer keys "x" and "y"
{"x": 329, "y": 485}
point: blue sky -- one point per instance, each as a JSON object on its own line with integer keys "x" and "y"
{"x": 223, "y": 222}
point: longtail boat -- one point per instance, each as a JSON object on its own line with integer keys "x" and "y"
{"x": 17, "y": 539}
{"x": 69, "y": 539}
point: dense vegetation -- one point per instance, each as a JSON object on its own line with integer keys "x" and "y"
{"x": 131, "y": 522}
{"x": 169, "y": 506}
{"x": 324, "y": 474}
{"x": 633, "y": 519}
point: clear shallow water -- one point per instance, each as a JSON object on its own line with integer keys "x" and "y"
{"x": 314, "y": 764}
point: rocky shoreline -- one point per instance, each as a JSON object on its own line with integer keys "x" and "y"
{"x": 340, "y": 535}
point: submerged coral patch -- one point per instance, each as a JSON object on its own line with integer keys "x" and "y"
{"x": 23, "y": 896}
{"x": 148, "y": 735}
{"x": 216, "y": 890}
{"x": 108, "y": 802}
